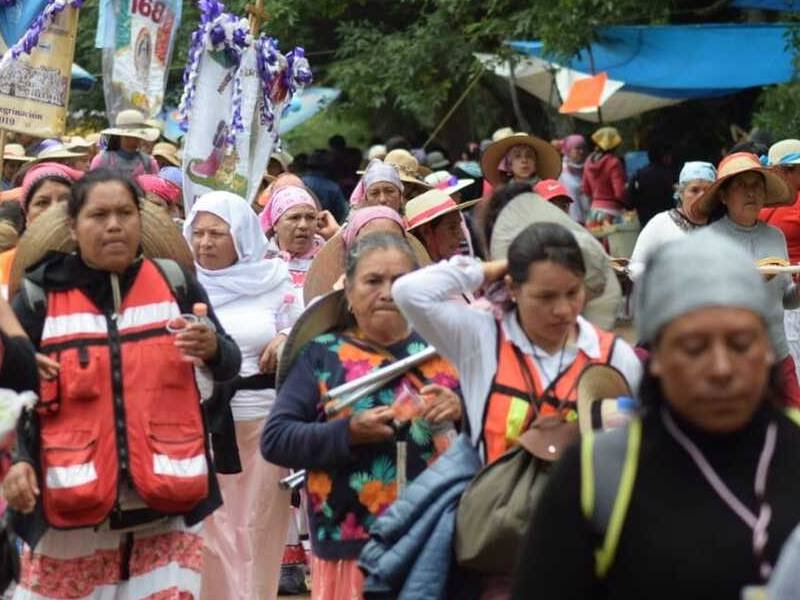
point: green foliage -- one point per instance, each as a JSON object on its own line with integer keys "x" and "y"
{"x": 778, "y": 110}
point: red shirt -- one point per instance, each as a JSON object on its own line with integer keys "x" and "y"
{"x": 787, "y": 219}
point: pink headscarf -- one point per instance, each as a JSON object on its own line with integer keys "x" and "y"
{"x": 359, "y": 218}
{"x": 572, "y": 141}
{"x": 283, "y": 180}
{"x": 153, "y": 184}
{"x": 281, "y": 201}
{"x": 46, "y": 169}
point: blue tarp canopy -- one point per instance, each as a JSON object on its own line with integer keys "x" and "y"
{"x": 684, "y": 61}
{"x": 781, "y": 5}
{"x": 81, "y": 79}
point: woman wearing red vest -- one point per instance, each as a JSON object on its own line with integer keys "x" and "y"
{"x": 114, "y": 460}
{"x": 536, "y": 350}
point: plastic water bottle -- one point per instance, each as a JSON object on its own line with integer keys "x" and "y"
{"x": 284, "y": 316}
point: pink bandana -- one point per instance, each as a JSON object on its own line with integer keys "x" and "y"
{"x": 359, "y": 218}
{"x": 281, "y": 201}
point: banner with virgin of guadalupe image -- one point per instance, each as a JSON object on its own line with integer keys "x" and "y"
{"x": 235, "y": 92}
{"x": 38, "y": 45}
{"x": 137, "y": 38}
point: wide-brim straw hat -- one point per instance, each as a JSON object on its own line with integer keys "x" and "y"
{"x": 131, "y": 123}
{"x": 9, "y": 236}
{"x": 430, "y": 206}
{"x": 79, "y": 144}
{"x": 599, "y": 387}
{"x": 50, "y": 232}
{"x": 167, "y": 151}
{"x": 408, "y": 167}
{"x": 59, "y": 151}
{"x": 449, "y": 184}
{"x": 606, "y": 138}
{"x": 15, "y": 152}
{"x": 322, "y": 316}
{"x": 328, "y": 265}
{"x": 784, "y": 152}
{"x": 778, "y": 193}
{"x": 548, "y": 159}
{"x": 529, "y": 208}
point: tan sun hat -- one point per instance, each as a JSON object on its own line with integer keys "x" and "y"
{"x": 502, "y": 133}
{"x": 328, "y": 265}
{"x": 449, "y": 184}
{"x": 167, "y": 151}
{"x": 784, "y": 152}
{"x": 778, "y": 193}
{"x": 15, "y": 152}
{"x": 430, "y": 206}
{"x": 407, "y": 166}
{"x": 58, "y": 151}
{"x": 50, "y": 232}
{"x": 77, "y": 143}
{"x": 606, "y": 138}
{"x": 131, "y": 123}
{"x": 599, "y": 389}
{"x": 548, "y": 159}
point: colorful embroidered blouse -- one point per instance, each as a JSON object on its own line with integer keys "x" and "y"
{"x": 349, "y": 487}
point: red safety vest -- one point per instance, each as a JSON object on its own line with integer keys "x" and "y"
{"x": 508, "y": 410}
{"x": 125, "y": 404}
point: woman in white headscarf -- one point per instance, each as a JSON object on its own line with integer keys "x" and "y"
{"x": 254, "y": 299}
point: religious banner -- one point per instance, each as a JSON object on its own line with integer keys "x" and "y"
{"x": 235, "y": 91}
{"x": 137, "y": 38}
{"x": 36, "y": 66}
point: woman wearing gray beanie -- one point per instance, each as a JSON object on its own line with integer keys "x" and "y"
{"x": 697, "y": 495}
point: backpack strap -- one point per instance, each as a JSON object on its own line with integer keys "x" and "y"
{"x": 35, "y": 296}
{"x": 176, "y": 279}
{"x": 609, "y": 462}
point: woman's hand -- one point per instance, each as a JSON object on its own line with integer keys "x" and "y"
{"x": 372, "y": 426}
{"x": 20, "y": 487}
{"x": 327, "y": 226}
{"x": 494, "y": 270}
{"x": 198, "y": 341}
{"x": 269, "y": 358}
{"x": 47, "y": 367}
{"x": 442, "y": 404}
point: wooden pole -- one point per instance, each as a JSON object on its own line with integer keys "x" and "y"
{"x": 2, "y": 150}
{"x": 256, "y": 16}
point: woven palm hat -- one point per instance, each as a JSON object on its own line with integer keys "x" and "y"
{"x": 778, "y": 193}
{"x": 430, "y": 206}
{"x": 51, "y": 232}
{"x": 167, "y": 151}
{"x": 58, "y": 151}
{"x": 548, "y": 159}
{"x": 15, "y": 152}
{"x": 329, "y": 264}
{"x": 407, "y": 166}
{"x": 8, "y": 236}
{"x": 131, "y": 123}
{"x": 599, "y": 388}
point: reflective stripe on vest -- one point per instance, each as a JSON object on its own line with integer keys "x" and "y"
{"x": 124, "y": 401}
{"x": 508, "y": 410}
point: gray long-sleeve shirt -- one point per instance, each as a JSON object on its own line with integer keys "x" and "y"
{"x": 765, "y": 241}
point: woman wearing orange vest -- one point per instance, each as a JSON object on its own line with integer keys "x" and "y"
{"x": 527, "y": 362}
{"x": 114, "y": 459}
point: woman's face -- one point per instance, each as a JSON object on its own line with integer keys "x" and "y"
{"x": 744, "y": 198}
{"x": 693, "y": 190}
{"x": 443, "y": 237}
{"x": 383, "y": 193}
{"x": 212, "y": 242}
{"x": 713, "y": 365}
{"x": 45, "y": 196}
{"x": 791, "y": 175}
{"x": 577, "y": 154}
{"x": 130, "y": 144}
{"x": 108, "y": 228}
{"x": 296, "y": 228}
{"x": 548, "y": 302}
{"x": 522, "y": 160}
{"x": 369, "y": 294}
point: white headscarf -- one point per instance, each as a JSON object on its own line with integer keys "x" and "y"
{"x": 252, "y": 274}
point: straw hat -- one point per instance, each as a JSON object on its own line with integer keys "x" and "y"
{"x": 785, "y": 152}
{"x": 430, "y": 206}
{"x": 131, "y": 123}
{"x": 167, "y": 151}
{"x": 606, "y": 138}
{"x": 449, "y": 184}
{"x": 50, "y": 231}
{"x": 79, "y": 144}
{"x": 599, "y": 388}
{"x": 8, "y": 236}
{"x": 529, "y": 208}
{"x": 502, "y": 133}
{"x": 778, "y": 193}
{"x": 56, "y": 152}
{"x": 329, "y": 264}
{"x": 15, "y": 152}
{"x": 548, "y": 160}
{"x": 320, "y": 317}
{"x": 407, "y": 166}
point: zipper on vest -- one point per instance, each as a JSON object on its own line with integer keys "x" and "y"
{"x": 119, "y": 405}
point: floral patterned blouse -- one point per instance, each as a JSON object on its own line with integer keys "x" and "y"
{"x": 349, "y": 487}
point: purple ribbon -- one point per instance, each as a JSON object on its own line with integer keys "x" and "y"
{"x": 30, "y": 40}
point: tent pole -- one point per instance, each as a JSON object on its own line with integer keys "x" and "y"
{"x": 512, "y": 84}
{"x": 594, "y": 72}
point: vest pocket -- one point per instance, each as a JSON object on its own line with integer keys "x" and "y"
{"x": 179, "y": 466}
{"x": 170, "y": 371}
{"x": 69, "y": 471}
{"x": 80, "y": 376}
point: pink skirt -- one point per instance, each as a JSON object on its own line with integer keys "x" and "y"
{"x": 244, "y": 538}
{"x": 164, "y": 563}
{"x": 336, "y": 580}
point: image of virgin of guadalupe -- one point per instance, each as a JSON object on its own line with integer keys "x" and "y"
{"x": 143, "y": 52}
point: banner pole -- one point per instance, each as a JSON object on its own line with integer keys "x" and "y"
{"x": 256, "y": 16}
{"x": 2, "y": 151}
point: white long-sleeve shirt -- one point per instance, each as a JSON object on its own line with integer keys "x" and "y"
{"x": 468, "y": 337}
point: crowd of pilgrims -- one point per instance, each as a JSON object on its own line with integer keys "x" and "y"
{"x": 417, "y": 393}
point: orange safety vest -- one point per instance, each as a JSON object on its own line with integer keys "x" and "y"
{"x": 508, "y": 409}
{"x": 125, "y": 405}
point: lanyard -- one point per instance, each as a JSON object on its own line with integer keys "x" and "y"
{"x": 758, "y": 523}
